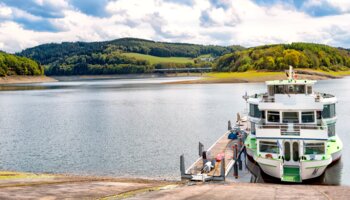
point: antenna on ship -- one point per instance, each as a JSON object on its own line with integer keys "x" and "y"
{"x": 246, "y": 97}
{"x": 291, "y": 74}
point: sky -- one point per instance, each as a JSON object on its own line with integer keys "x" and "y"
{"x": 28, "y": 23}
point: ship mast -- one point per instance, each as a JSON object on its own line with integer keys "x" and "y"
{"x": 291, "y": 73}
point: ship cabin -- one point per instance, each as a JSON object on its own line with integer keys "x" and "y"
{"x": 293, "y": 117}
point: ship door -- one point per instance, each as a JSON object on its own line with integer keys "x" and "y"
{"x": 296, "y": 151}
{"x": 287, "y": 151}
{"x": 291, "y": 152}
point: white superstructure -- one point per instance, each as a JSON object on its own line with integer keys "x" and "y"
{"x": 292, "y": 130}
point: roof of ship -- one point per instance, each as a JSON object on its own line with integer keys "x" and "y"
{"x": 291, "y": 82}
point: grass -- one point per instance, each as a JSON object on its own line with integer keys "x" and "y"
{"x": 6, "y": 175}
{"x": 156, "y": 59}
{"x": 250, "y": 75}
{"x": 205, "y": 56}
{"x": 258, "y": 76}
{"x": 333, "y": 73}
{"x": 245, "y": 75}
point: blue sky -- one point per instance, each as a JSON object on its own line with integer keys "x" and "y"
{"x": 27, "y": 23}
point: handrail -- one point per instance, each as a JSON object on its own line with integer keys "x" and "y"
{"x": 286, "y": 126}
{"x": 294, "y": 130}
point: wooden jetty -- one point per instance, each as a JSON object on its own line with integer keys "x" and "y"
{"x": 229, "y": 150}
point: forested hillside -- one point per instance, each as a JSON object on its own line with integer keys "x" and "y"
{"x": 16, "y": 65}
{"x": 77, "y": 58}
{"x": 128, "y": 55}
{"x": 279, "y": 57}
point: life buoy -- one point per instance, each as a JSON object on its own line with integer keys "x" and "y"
{"x": 268, "y": 156}
{"x": 219, "y": 157}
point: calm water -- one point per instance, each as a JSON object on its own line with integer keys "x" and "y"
{"x": 129, "y": 127}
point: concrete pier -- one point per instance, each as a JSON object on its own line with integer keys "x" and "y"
{"x": 229, "y": 149}
{"x": 250, "y": 191}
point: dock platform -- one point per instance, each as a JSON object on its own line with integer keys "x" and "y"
{"x": 229, "y": 150}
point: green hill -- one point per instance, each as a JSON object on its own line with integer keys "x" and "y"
{"x": 129, "y": 55}
{"x": 113, "y": 57}
{"x": 279, "y": 57}
{"x": 17, "y": 65}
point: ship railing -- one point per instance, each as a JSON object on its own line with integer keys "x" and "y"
{"x": 294, "y": 129}
{"x": 320, "y": 96}
{"x": 267, "y": 99}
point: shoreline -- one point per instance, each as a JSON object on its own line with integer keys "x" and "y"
{"x": 22, "y": 185}
{"x": 25, "y": 79}
{"x": 261, "y": 76}
{"x": 205, "y": 78}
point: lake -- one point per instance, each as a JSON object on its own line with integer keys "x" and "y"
{"x": 129, "y": 127}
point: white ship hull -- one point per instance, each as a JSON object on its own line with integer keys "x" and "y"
{"x": 308, "y": 169}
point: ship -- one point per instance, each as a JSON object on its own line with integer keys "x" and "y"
{"x": 292, "y": 129}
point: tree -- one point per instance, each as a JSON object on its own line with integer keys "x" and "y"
{"x": 291, "y": 57}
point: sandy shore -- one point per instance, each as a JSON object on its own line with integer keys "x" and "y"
{"x": 16, "y": 185}
{"x": 25, "y": 79}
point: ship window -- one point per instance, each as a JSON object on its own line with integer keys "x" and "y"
{"x": 331, "y": 130}
{"x": 268, "y": 147}
{"x": 308, "y": 117}
{"x": 328, "y": 111}
{"x": 300, "y": 89}
{"x": 309, "y": 89}
{"x": 287, "y": 151}
{"x": 296, "y": 89}
{"x": 314, "y": 148}
{"x": 279, "y": 89}
{"x": 319, "y": 114}
{"x": 295, "y": 151}
{"x": 252, "y": 128}
{"x": 291, "y": 89}
{"x": 273, "y": 116}
{"x": 271, "y": 90}
{"x": 290, "y": 117}
{"x": 254, "y": 111}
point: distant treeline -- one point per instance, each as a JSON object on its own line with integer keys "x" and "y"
{"x": 77, "y": 58}
{"x": 111, "y": 63}
{"x": 16, "y": 65}
{"x": 279, "y": 57}
{"x": 81, "y": 58}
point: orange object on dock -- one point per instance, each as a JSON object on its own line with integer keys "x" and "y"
{"x": 219, "y": 157}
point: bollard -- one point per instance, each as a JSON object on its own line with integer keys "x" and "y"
{"x": 223, "y": 169}
{"x": 200, "y": 149}
{"x": 235, "y": 167}
{"x": 229, "y": 126}
{"x": 235, "y": 170}
{"x": 239, "y": 162}
{"x": 245, "y": 151}
{"x": 239, "y": 144}
{"x": 182, "y": 165}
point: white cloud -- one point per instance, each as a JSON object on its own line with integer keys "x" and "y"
{"x": 5, "y": 12}
{"x": 238, "y": 22}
